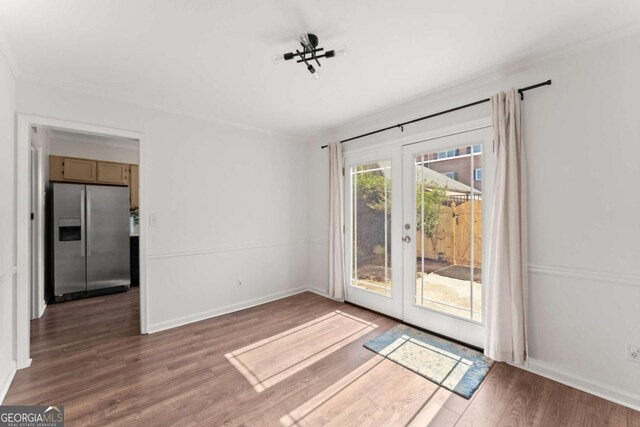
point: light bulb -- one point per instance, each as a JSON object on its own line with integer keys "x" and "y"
{"x": 304, "y": 38}
{"x": 313, "y": 71}
{"x": 342, "y": 51}
{"x": 277, "y": 59}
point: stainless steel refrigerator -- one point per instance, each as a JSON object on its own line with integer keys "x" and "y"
{"x": 90, "y": 239}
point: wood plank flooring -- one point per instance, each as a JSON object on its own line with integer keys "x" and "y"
{"x": 294, "y": 362}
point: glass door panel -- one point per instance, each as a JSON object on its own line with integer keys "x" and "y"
{"x": 372, "y": 213}
{"x": 448, "y": 232}
{"x": 371, "y": 231}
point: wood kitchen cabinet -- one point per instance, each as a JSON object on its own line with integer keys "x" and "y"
{"x": 112, "y": 173}
{"x": 79, "y": 170}
{"x": 56, "y": 165}
{"x": 72, "y": 169}
{"x": 134, "y": 186}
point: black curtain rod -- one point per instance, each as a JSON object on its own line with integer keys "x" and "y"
{"x": 521, "y": 91}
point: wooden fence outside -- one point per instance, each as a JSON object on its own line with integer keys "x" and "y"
{"x": 452, "y": 239}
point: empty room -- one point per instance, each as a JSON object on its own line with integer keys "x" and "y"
{"x": 308, "y": 213}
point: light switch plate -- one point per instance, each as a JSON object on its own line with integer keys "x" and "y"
{"x": 153, "y": 220}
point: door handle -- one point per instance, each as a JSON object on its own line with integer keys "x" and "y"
{"x": 406, "y": 239}
{"x": 83, "y": 228}
{"x": 88, "y": 223}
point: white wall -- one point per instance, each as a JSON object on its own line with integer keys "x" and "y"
{"x": 231, "y": 203}
{"x": 583, "y": 140}
{"x": 7, "y": 227}
{"x": 90, "y": 148}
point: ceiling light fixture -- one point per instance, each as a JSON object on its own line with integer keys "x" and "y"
{"x": 310, "y": 53}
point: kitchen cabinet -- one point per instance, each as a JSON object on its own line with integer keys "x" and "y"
{"x": 134, "y": 186}
{"x": 56, "y": 165}
{"x": 89, "y": 171}
{"x": 79, "y": 170}
{"x": 112, "y": 173}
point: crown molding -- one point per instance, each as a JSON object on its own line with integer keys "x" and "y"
{"x": 99, "y": 93}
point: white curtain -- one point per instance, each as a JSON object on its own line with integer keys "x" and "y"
{"x": 336, "y": 223}
{"x": 506, "y": 327}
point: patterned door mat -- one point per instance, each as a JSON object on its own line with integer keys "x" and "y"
{"x": 450, "y": 365}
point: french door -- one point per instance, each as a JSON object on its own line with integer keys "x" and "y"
{"x": 415, "y": 220}
{"x": 373, "y": 222}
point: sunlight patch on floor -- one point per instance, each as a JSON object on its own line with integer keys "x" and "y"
{"x": 370, "y": 395}
{"x": 269, "y": 361}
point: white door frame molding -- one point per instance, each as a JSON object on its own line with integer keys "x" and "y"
{"x": 37, "y": 303}
{"x": 24, "y": 122}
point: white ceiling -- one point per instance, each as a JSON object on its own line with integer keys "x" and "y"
{"x": 213, "y": 58}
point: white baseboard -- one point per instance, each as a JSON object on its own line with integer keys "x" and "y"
{"x": 7, "y": 382}
{"x": 180, "y": 321}
{"x": 587, "y": 385}
{"x": 320, "y": 292}
{"x": 323, "y": 293}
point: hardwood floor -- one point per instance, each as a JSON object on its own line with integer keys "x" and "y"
{"x": 294, "y": 362}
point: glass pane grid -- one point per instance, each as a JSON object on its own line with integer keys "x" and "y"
{"x": 449, "y": 231}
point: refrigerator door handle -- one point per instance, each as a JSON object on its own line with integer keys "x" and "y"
{"x": 83, "y": 228}
{"x": 88, "y": 222}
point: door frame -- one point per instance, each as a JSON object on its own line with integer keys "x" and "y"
{"x": 23, "y": 287}
{"x": 37, "y": 238}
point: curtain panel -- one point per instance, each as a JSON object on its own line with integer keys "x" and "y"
{"x": 506, "y": 325}
{"x": 337, "y": 276}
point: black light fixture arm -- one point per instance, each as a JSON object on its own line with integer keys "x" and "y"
{"x": 327, "y": 54}
{"x": 521, "y": 91}
{"x": 290, "y": 55}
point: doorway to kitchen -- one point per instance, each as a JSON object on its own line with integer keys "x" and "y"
{"x": 414, "y": 223}
{"x": 86, "y": 185}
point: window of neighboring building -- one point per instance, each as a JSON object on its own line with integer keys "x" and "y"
{"x": 477, "y": 148}
{"x": 452, "y": 175}
{"x": 477, "y": 174}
